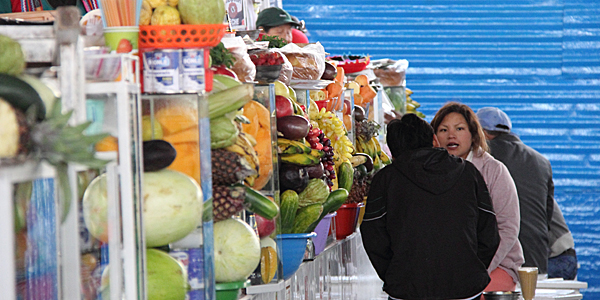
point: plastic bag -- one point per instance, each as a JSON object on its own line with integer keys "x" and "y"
{"x": 285, "y": 75}
{"x": 308, "y": 61}
{"x": 243, "y": 66}
{"x": 390, "y": 72}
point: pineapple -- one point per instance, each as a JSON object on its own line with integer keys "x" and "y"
{"x": 53, "y": 140}
{"x": 229, "y": 167}
{"x": 15, "y": 132}
{"x": 227, "y": 201}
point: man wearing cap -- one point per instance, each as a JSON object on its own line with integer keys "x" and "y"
{"x": 275, "y": 21}
{"x": 532, "y": 174}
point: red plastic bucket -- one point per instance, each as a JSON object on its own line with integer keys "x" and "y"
{"x": 345, "y": 221}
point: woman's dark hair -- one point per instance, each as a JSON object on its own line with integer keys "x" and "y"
{"x": 408, "y": 133}
{"x": 478, "y": 138}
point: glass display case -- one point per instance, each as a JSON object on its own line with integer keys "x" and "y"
{"x": 264, "y": 281}
{"x": 182, "y": 121}
{"x": 112, "y": 237}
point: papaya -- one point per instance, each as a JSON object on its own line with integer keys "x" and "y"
{"x": 260, "y": 129}
{"x": 265, "y": 158}
{"x": 187, "y": 160}
{"x": 340, "y": 74}
{"x": 176, "y": 117}
{"x": 190, "y": 135}
{"x": 334, "y": 89}
{"x": 252, "y": 115}
{"x": 362, "y": 80}
{"x": 368, "y": 93}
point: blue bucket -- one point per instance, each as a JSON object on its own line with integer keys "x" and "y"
{"x": 291, "y": 249}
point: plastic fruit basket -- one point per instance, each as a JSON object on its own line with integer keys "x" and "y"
{"x": 230, "y": 290}
{"x": 322, "y": 231}
{"x": 292, "y": 247}
{"x": 346, "y": 219}
{"x": 267, "y": 73}
{"x": 180, "y": 36}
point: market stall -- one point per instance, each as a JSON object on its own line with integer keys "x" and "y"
{"x": 212, "y": 166}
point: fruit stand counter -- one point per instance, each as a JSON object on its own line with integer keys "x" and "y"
{"x": 341, "y": 271}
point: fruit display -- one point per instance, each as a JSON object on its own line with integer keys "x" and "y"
{"x": 234, "y": 158}
{"x": 307, "y": 170}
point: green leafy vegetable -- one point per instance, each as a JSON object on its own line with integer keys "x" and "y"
{"x": 274, "y": 41}
{"x": 220, "y": 55}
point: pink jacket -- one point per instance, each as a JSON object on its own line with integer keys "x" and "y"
{"x": 505, "y": 200}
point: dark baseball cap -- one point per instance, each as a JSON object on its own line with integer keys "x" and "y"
{"x": 493, "y": 119}
{"x": 274, "y": 16}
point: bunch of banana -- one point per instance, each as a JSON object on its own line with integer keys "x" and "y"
{"x": 244, "y": 146}
{"x": 373, "y": 149}
{"x": 311, "y": 158}
{"x": 412, "y": 105}
{"x": 286, "y": 146}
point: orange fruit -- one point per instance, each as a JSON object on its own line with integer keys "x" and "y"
{"x": 109, "y": 143}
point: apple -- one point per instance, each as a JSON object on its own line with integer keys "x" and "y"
{"x": 283, "y": 106}
{"x": 236, "y": 250}
{"x": 265, "y": 227}
{"x": 223, "y": 71}
{"x": 347, "y": 107}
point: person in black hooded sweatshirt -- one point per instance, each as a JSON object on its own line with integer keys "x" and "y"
{"x": 429, "y": 227}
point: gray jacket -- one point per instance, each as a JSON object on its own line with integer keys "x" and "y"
{"x": 532, "y": 174}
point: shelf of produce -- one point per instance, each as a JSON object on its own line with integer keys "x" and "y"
{"x": 182, "y": 120}
{"x": 264, "y": 131}
{"x": 114, "y": 108}
{"x": 58, "y": 44}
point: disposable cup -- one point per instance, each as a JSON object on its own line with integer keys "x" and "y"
{"x": 528, "y": 280}
{"x": 123, "y": 39}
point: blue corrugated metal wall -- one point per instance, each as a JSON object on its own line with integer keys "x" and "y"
{"x": 537, "y": 60}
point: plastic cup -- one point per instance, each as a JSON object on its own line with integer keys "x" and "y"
{"x": 123, "y": 39}
{"x": 528, "y": 280}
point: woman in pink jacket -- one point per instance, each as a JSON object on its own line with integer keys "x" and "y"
{"x": 458, "y": 130}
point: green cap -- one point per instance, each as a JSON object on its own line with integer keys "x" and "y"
{"x": 274, "y": 16}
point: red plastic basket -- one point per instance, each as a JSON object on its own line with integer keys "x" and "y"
{"x": 353, "y": 66}
{"x": 346, "y": 219}
{"x": 181, "y": 36}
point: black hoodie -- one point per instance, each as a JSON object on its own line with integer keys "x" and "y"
{"x": 429, "y": 228}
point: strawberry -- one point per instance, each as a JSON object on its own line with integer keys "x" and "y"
{"x": 124, "y": 46}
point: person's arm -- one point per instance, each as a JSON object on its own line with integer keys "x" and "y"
{"x": 487, "y": 228}
{"x": 505, "y": 200}
{"x": 550, "y": 202}
{"x": 375, "y": 237}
